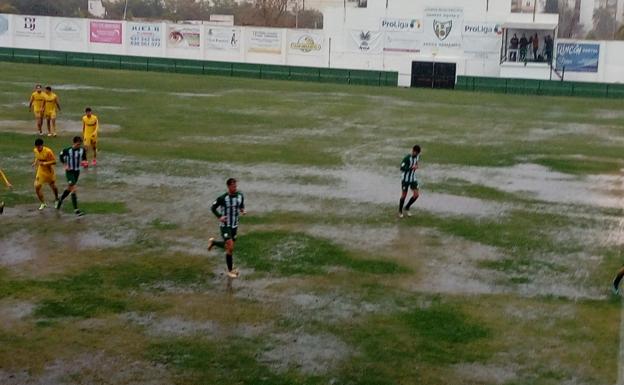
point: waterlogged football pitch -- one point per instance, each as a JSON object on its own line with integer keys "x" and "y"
{"x": 500, "y": 277}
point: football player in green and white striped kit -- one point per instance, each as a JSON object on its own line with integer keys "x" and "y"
{"x": 228, "y": 208}
{"x": 71, "y": 157}
{"x": 409, "y": 165}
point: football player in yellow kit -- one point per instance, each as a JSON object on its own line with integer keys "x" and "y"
{"x": 51, "y": 107}
{"x": 37, "y": 100}
{"x": 90, "y": 128}
{"x": 44, "y": 164}
{"x": 8, "y": 185}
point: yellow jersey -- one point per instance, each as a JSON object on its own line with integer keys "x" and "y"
{"x": 90, "y": 125}
{"x": 46, "y": 155}
{"x": 50, "y": 102}
{"x": 38, "y": 98}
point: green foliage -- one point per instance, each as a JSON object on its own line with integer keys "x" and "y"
{"x": 290, "y": 254}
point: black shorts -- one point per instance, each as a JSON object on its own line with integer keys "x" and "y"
{"x": 228, "y": 232}
{"x": 72, "y": 177}
{"x": 407, "y": 185}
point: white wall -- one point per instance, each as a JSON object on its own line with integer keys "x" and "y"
{"x": 334, "y": 46}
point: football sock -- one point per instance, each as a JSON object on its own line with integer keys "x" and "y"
{"x": 228, "y": 260}
{"x": 618, "y": 279}
{"x": 401, "y": 202}
{"x": 74, "y": 199}
{"x": 219, "y": 244}
{"x": 65, "y": 194}
{"x": 410, "y": 203}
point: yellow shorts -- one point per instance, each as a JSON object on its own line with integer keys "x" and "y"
{"x": 38, "y": 114}
{"x": 50, "y": 114}
{"x": 89, "y": 140}
{"x": 44, "y": 178}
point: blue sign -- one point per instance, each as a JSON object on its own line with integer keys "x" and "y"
{"x": 578, "y": 57}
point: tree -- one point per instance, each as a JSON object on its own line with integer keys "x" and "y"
{"x": 569, "y": 20}
{"x": 145, "y": 9}
{"x": 67, "y": 8}
{"x": 186, "y": 10}
{"x": 271, "y": 11}
{"x": 604, "y": 23}
{"x": 619, "y": 35}
{"x": 552, "y": 6}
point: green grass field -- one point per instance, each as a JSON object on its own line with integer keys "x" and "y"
{"x": 501, "y": 276}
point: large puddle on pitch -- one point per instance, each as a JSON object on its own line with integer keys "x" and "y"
{"x": 62, "y": 126}
{"x": 539, "y": 182}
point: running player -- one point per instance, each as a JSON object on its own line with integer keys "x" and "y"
{"x": 71, "y": 157}
{"x": 617, "y": 280}
{"x": 90, "y": 128}
{"x": 51, "y": 107}
{"x": 37, "y": 99}
{"x": 409, "y": 165}
{"x": 44, "y": 163}
{"x": 8, "y": 185}
{"x": 227, "y": 208}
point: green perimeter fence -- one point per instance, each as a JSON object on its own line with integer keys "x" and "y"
{"x": 539, "y": 87}
{"x": 258, "y": 71}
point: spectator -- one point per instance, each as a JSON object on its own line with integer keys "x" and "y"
{"x": 535, "y": 41}
{"x": 513, "y": 48}
{"x": 523, "y": 47}
{"x": 548, "y": 48}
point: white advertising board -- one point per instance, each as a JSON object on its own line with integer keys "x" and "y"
{"x": 305, "y": 42}
{"x": 264, "y": 41}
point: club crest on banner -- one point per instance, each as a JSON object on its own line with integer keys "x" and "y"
{"x": 442, "y": 28}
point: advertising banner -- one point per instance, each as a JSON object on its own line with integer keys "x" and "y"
{"x": 402, "y": 42}
{"x": 482, "y": 39}
{"x": 4, "y": 25}
{"x": 482, "y": 29}
{"x": 105, "y": 32}
{"x": 265, "y": 41}
{"x": 578, "y": 57}
{"x": 301, "y": 42}
{"x": 443, "y": 28}
{"x": 223, "y": 38}
{"x": 68, "y": 30}
{"x": 30, "y": 26}
{"x": 183, "y": 36}
{"x": 400, "y": 25}
{"x": 144, "y": 34}
{"x": 363, "y": 41}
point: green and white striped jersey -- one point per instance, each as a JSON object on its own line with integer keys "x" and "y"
{"x": 408, "y": 175}
{"x": 229, "y": 206}
{"x": 72, "y": 157}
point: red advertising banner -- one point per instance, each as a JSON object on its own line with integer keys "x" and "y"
{"x": 105, "y": 32}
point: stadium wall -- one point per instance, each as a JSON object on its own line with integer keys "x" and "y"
{"x": 341, "y": 45}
